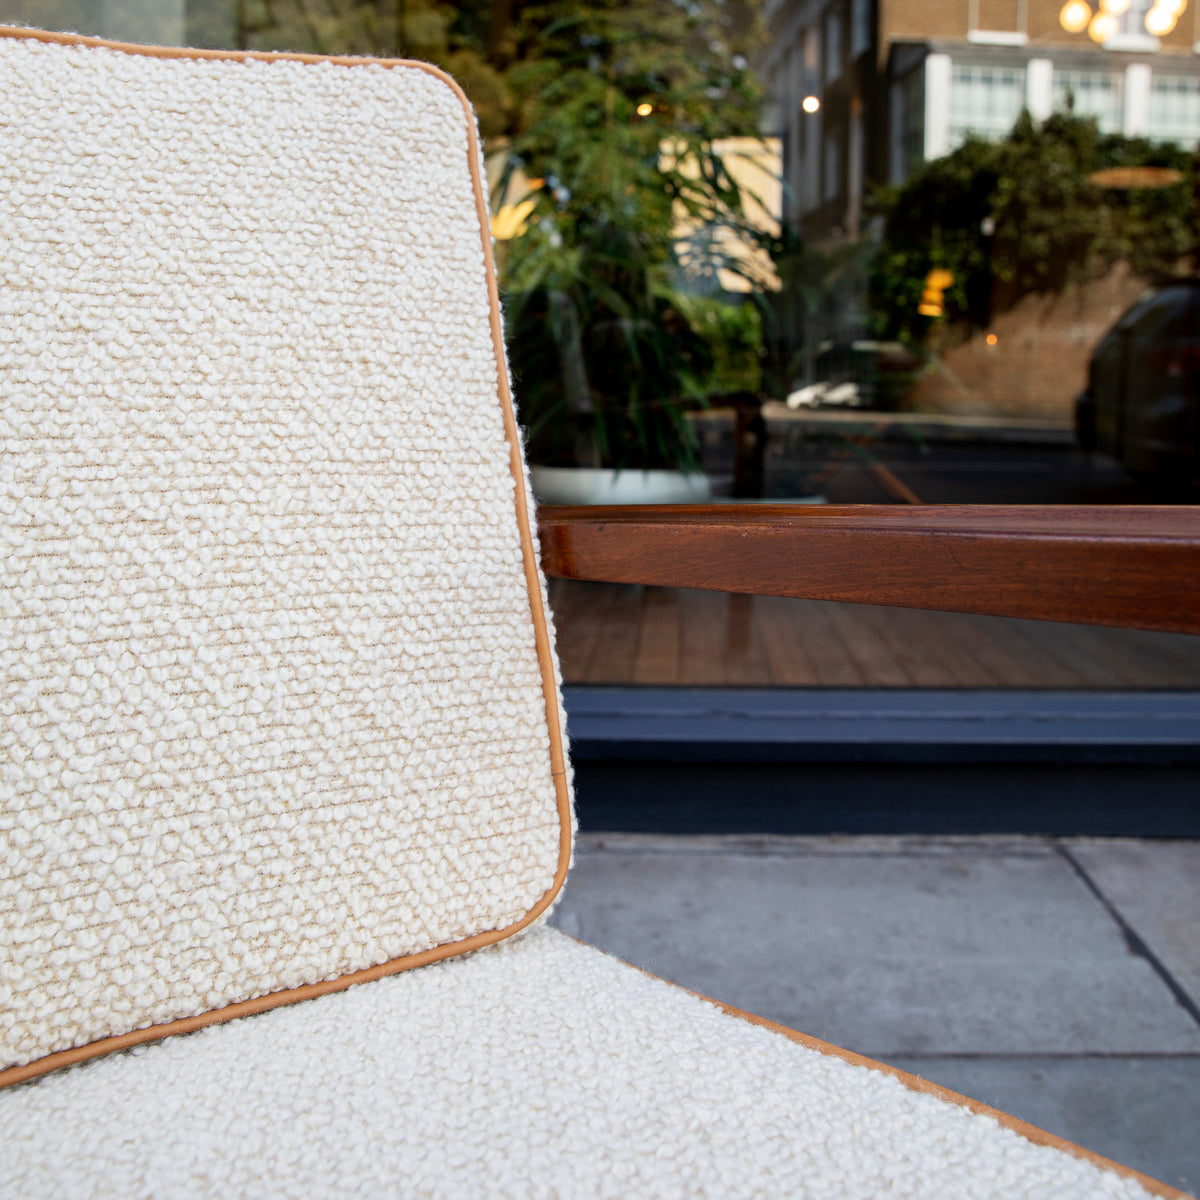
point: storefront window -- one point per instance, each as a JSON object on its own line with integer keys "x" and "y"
{"x": 736, "y": 254}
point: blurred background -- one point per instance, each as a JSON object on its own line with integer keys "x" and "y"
{"x": 817, "y": 251}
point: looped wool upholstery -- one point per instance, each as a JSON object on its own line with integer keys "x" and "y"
{"x": 273, "y": 709}
{"x": 535, "y": 1068}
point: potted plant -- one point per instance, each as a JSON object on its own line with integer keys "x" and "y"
{"x": 616, "y": 148}
{"x": 607, "y": 367}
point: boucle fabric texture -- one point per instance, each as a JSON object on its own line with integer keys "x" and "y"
{"x": 272, "y": 700}
{"x": 537, "y": 1067}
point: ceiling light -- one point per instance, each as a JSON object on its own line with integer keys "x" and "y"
{"x": 1075, "y": 16}
{"x": 1160, "y": 21}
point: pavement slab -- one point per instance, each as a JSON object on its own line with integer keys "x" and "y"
{"x": 1155, "y": 888}
{"x": 888, "y": 946}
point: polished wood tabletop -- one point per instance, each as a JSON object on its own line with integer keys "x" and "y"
{"x": 1135, "y": 567}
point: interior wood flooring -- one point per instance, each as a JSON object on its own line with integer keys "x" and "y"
{"x": 622, "y": 634}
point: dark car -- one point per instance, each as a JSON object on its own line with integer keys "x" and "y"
{"x": 1142, "y": 399}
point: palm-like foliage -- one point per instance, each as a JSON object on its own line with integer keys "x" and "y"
{"x": 618, "y": 127}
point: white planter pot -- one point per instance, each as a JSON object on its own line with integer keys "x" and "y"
{"x": 602, "y": 485}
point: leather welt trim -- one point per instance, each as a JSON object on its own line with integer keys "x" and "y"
{"x": 1029, "y": 1132}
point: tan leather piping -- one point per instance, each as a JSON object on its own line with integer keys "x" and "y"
{"x": 259, "y": 1004}
{"x": 1031, "y": 1133}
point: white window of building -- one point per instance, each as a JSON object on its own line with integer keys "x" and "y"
{"x": 984, "y": 101}
{"x": 833, "y": 42}
{"x": 1133, "y": 20}
{"x": 1131, "y": 29}
{"x": 939, "y": 70}
{"x": 1175, "y": 109}
{"x": 860, "y": 27}
{"x": 1096, "y": 94}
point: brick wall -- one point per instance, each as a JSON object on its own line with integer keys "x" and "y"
{"x": 1001, "y": 15}
{"x": 921, "y": 20}
{"x": 1038, "y": 364}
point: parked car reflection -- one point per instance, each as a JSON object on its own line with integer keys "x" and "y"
{"x": 1142, "y": 399}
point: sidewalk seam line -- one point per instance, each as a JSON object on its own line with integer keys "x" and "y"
{"x": 1136, "y": 943}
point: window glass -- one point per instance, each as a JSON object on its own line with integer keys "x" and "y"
{"x": 984, "y": 101}
{"x": 1090, "y": 93}
{"x": 911, "y": 121}
{"x": 860, "y": 26}
{"x": 859, "y": 252}
{"x": 833, "y": 166}
{"x": 1133, "y": 19}
{"x": 163, "y": 22}
{"x": 812, "y": 55}
{"x": 833, "y": 42}
{"x": 1163, "y": 311}
{"x": 1175, "y": 108}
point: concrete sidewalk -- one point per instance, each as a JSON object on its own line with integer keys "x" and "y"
{"x": 1056, "y": 979}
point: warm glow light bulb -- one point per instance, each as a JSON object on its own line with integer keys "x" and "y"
{"x": 1160, "y": 21}
{"x": 1075, "y": 16}
{"x": 1103, "y": 26}
{"x": 644, "y": 110}
{"x": 1116, "y": 7}
{"x": 810, "y": 104}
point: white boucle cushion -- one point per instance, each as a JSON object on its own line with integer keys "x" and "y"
{"x": 538, "y": 1067}
{"x": 273, "y": 705}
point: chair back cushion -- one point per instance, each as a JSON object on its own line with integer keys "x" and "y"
{"x": 278, "y": 695}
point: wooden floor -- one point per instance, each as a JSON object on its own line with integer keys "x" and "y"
{"x": 620, "y": 634}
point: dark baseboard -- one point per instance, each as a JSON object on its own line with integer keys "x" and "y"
{"x": 806, "y": 798}
{"x": 819, "y": 762}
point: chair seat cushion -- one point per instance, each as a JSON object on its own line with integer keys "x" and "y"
{"x": 537, "y": 1067}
